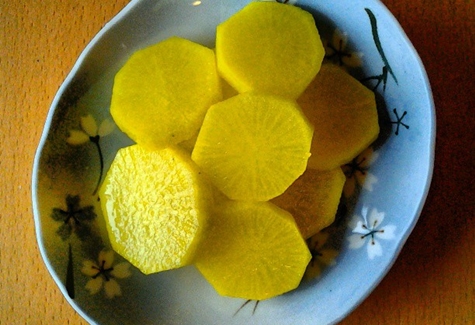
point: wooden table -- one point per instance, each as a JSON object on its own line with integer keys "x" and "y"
{"x": 433, "y": 280}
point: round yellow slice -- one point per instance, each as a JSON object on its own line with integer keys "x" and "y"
{"x": 156, "y": 206}
{"x": 344, "y": 115}
{"x": 313, "y": 199}
{"x": 252, "y": 251}
{"x": 253, "y": 146}
{"x": 161, "y": 94}
{"x": 269, "y": 47}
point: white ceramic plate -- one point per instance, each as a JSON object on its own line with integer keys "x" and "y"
{"x": 375, "y": 219}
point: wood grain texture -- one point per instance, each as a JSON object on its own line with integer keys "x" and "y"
{"x": 40, "y": 41}
{"x": 432, "y": 282}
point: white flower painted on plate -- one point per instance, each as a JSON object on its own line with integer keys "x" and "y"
{"x": 357, "y": 173}
{"x": 90, "y": 130}
{"x": 104, "y": 274}
{"x": 368, "y": 230}
{"x": 322, "y": 255}
{"x": 336, "y": 50}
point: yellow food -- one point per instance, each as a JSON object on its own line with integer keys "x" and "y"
{"x": 156, "y": 205}
{"x": 252, "y": 251}
{"x": 344, "y": 115}
{"x": 269, "y": 47}
{"x": 313, "y": 199}
{"x": 224, "y": 184}
{"x": 161, "y": 94}
{"x": 253, "y": 146}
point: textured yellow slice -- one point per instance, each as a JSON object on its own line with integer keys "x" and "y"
{"x": 253, "y": 146}
{"x": 313, "y": 199}
{"x": 161, "y": 94}
{"x": 344, "y": 115}
{"x": 252, "y": 251}
{"x": 269, "y": 47}
{"x": 156, "y": 206}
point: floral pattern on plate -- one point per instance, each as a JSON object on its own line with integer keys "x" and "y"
{"x": 369, "y": 229}
{"x": 82, "y": 141}
{"x": 76, "y": 218}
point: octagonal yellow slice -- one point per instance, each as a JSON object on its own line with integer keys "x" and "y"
{"x": 156, "y": 206}
{"x": 269, "y": 47}
{"x": 253, "y": 250}
{"x": 253, "y": 146}
{"x": 344, "y": 116}
{"x": 161, "y": 94}
{"x": 313, "y": 199}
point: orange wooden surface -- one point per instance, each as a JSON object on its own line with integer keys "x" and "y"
{"x": 432, "y": 282}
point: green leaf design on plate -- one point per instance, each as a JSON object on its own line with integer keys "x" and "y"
{"x": 383, "y": 77}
